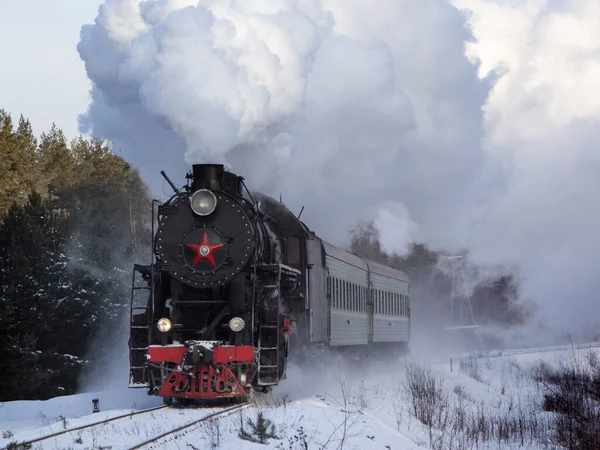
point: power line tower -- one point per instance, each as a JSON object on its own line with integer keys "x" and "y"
{"x": 460, "y": 298}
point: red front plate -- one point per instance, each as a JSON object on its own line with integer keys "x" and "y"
{"x": 210, "y": 381}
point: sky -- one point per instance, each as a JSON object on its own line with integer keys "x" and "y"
{"x": 465, "y": 124}
{"x": 41, "y": 73}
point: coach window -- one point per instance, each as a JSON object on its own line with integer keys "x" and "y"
{"x": 333, "y": 292}
{"x": 350, "y": 299}
{"x": 362, "y": 298}
{"x": 346, "y": 301}
{"x": 349, "y": 294}
{"x": 386, "y": 303}
{"x": 401, "y": 304}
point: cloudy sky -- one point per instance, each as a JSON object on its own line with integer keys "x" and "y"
{"x": 464, "y": 124}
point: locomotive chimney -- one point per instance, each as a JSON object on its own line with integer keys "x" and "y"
{"x": 214, "y": 177}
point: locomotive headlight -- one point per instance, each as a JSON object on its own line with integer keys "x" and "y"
{"x": 203, "y": 202}
{"x": 164, "y": 325}
{"x": 237, "y": 324}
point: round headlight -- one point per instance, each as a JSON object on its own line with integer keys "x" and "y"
{"x": 164, "y": 325}
{"x": 237, "y": 324}
{"x": 203, "y": 202}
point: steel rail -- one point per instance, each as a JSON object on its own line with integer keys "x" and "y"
{"x": 191, "y": 424}
{"x": 83, "y": 427}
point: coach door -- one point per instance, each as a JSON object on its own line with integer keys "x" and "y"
{"x": 316, "y": 290}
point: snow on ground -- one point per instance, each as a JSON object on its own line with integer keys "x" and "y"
{"x": 320, "y": 405}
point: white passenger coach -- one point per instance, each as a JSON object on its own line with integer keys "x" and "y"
{"x": 353, "y": 301}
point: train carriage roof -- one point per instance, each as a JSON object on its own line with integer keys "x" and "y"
{"x": 343, "y": 255}
{"x": 364, "y": 264}
{"x": 386, "y": 271}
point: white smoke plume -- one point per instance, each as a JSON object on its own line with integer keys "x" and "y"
{"x": 460, "y": 130}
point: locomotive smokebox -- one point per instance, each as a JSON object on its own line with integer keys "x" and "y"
{"x": 215, "y": 178}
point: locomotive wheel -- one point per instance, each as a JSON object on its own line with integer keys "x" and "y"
{"x": 167, "y": 401}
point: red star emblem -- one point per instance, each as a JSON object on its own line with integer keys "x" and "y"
{"x": 204, "y": 251}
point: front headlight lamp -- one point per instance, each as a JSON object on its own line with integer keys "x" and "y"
{"x": 164, "y": 325}
{"x": 203, "y": 202}
{"x": 237, "y": 324}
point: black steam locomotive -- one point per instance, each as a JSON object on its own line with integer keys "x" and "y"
{"x": 236, "y": 280}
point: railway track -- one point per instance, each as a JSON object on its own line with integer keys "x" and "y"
{"x": 187, "y": 427}
{"x": 149, "y": 443}
{"x": 24, "y": 444}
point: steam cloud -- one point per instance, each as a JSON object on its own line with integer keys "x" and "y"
{"x": 386, "y": 109}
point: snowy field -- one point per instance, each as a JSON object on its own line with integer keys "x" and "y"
{"x": 342, "y": 406}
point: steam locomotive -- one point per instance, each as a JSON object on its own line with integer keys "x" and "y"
{"x": 237, "y": 282}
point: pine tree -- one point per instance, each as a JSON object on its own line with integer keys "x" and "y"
{"x": 64, "y": 254}
{"x": 259, "y": 431}
{"x": 29, "y": 240}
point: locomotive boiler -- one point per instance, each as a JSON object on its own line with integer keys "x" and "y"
{"x": 237, "y": 282}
